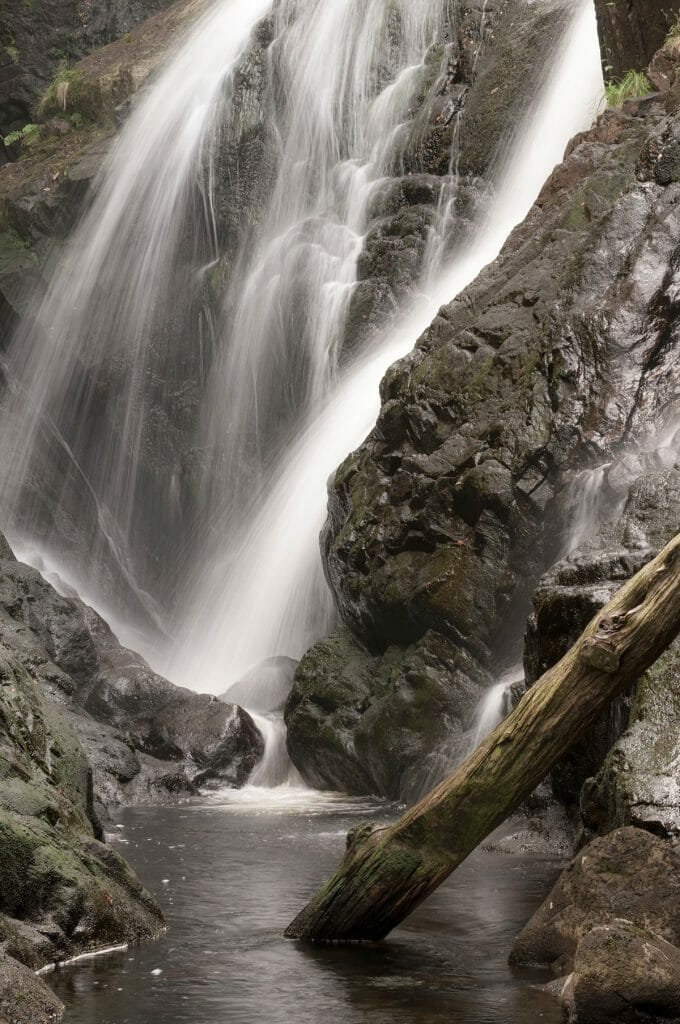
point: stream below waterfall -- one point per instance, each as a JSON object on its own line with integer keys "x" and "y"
{"x": 230, "y": 874}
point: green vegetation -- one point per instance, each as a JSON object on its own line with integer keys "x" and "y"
{"x": 58, "y": 93}
{"x": 633, "y": 85}
{"x": 26, "y": 135}
{"x": 674, "y": 32}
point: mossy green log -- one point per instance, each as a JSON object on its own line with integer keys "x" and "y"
{"x": 388, "y": 872}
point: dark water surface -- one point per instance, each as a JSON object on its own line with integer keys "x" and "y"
{"x": 231, "y": 875}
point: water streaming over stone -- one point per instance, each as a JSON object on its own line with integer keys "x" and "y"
{"x": 89, "y": 468}
{"x": 123, "y": 493}
{"x": 267, "y": 594}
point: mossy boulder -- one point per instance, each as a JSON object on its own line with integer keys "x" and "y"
{"x": 390, "y": 725}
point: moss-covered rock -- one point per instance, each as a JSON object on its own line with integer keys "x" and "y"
{"x": 391, "y": 724}
{"x": 61, "y": 890}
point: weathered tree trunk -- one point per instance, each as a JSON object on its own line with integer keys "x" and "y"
{"x": 387, "y": 872}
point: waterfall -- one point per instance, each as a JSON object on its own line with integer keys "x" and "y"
{"x": 267, "y": 595}
{"x": 588, "y": 501}
{"x": 82, "y": 438}
{"x": 258, "y": 406}
{"x": 495, "y": 705}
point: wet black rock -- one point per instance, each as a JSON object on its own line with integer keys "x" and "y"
{"x": 477, "y": 78}
{"x": 445, "y": 518}
{"x": 391, "y": 724}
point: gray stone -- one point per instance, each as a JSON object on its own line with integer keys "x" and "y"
{"x": 628, "y": 874}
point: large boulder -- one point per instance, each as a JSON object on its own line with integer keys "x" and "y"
{"x": 446, "y": 516}
{"x": 148, "y": 740}
{"x": 627, "y": 874}
{"x": 391, "y": 724}
{"x": 623, "y": 975}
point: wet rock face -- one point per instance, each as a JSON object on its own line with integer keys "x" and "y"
{"x": 444, "y": 519}
{"x": 35, "y": 38}
{"x": 626, "y": 769}
{"x": 631, "y": 31}
{"x": 147, "y": 739}
{"x": 628, "y": 874}
{"x": 61, "y": 890}
{"x": 475, "y": 81}
{"x": 391, "y": 724}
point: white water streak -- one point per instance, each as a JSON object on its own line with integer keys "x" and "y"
{"x": 268, "y": 596}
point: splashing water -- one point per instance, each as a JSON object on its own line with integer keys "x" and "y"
{"x": 495, "y": 705}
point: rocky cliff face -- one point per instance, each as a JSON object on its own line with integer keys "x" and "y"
{"x": 75, "y": 114}
{"x": 560, "y": 355}
{"x": 37, "y": 39}
{"x": 632, "y": 31}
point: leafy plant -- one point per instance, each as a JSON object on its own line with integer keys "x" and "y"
{"x": 26, "y": 135}
{"x": 632, "y": 86}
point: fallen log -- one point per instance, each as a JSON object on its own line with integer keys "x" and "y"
{"x": 388, "y": 872}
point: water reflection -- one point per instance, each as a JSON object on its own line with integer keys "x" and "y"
{"x": 231, "y": 877}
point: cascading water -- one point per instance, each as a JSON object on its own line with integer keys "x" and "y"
{"x": 81, "y": 428}
{"x": 495, "y": 705}
{"x": 266, "y": 594}
{"x": 339, "y": 77}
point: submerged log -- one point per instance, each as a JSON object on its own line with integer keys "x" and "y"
{"x": 388, "y": 872}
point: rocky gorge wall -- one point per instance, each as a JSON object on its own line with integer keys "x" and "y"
{"x": 442, "y": 522}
